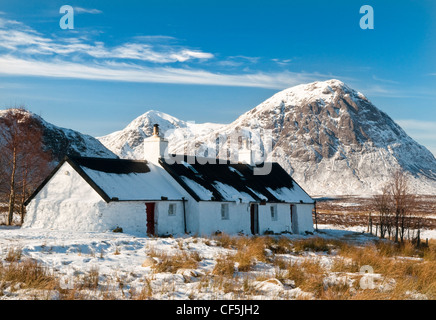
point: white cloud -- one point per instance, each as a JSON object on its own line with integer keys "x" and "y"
{"x": 24, "y": 41}
{"x": 384, "y": 80}
{"x": 422, "y": 131}
{"x": 418, "y": 125}
{"x": 84, "y": 10}
{"x": 26, "y": 52}
{"x": 282, "y": 62}
{"x": 113, "y": 71}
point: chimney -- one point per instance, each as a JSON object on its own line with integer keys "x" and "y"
{"x": 156, "y": 130}
{"x": 155, "y": 147}
{"x": 245, "y": 155}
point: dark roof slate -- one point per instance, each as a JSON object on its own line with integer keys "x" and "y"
{"x": 239, "y": 176}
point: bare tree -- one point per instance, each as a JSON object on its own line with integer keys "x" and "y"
{"x": 402, "y": 202}
{"x": 382, "y": 205}
{"x": 396, "y": 208}
{"x": 23, "y": 161}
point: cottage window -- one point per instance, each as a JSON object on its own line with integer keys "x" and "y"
{"x": 225, "y": 211}
{"x": 172, "y": 209}
{"x": 273, "y": 209}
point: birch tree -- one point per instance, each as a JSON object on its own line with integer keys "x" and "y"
{"x": 23, "y": 161}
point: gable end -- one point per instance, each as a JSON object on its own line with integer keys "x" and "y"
{"x": 79, "y": 170}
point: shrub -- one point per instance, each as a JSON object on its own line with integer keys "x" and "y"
{"x": 13, "y": 255}
{"x": 29, "y": 273}
{"x": 225, "y": 266}
{"x": 315, "y": 244}
{"x": 90, "y": 280}
{"x": 172, "y": 263}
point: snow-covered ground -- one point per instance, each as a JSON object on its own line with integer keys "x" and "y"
{"x": 118, "y": 260}
{"x": 122, "y": 263}
{"x": 425, "y": 234}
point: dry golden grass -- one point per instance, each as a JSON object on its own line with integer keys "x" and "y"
{"x": 13, "y": 255}
{"x": 28, "y": 274}
{"x": 146, "y": 292}
{"x": 296, "y": 273}
{"x": 403, "y": 271}
{"x": 313, "y": 277}
{"x": 172, "y": 263}
{"x": 226, "y": 241}
{"x": 225, "y": 266}
{"x": 316, "y": 244}
{"x": 90, "y": 279}
{"x": 337, "y": 291}
{"x": 398, "y": 263}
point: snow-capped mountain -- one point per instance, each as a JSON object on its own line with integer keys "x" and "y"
{"x": 62, "y": 141}
{"x": 128, "y": 143}
{"x": 329, "y": 137}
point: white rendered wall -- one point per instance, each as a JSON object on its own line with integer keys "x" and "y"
{"x": 169, "y": 224}
{"x": 132, "y": 218}
{"x": 304, "y": 216}
{"x": 66, "y": 202}
{"x": 281, "y": 224}
{"x": 239, "y": 220}
{"x": 210, "y": 219}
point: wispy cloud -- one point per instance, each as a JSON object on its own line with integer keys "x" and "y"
{"x": 112, "y": 71}
{"x": 282, "y": 62}
{"x": 422, "y": 131}
{"x": 158, "y": 59}
{"x": 29, "y": 42}
{"x": 84, "y": 10}
{"x": 376, "y": 78}
{"x": 237, "y": 61}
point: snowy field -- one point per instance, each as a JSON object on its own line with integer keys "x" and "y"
{"x": 123, "y": 265}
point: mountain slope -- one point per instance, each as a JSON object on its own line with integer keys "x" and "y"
{"x": 128, "y": 143}
{"x": 61, "y": 141}
{"x": 333, "y": 140}
{"x": 329, "y": 137}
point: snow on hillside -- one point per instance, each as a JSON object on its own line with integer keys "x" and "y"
{"x": 329, "y": 137}
{"x": 61, "y": 141}
{"x": 128, "y": 143}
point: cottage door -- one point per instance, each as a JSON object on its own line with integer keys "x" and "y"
{"x": 149, "y": 209}
{"x": 294, "y": 220}
{"x": 254, "y": 218}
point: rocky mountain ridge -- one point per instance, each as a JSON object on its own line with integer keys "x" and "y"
{"x": 329, "y": 137}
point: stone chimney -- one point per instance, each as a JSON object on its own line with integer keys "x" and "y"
{"x": 156, "y": 130}
{"x": 245, "y": 155}
{"x": 155, "y": 147}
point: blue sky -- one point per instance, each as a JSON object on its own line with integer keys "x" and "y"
{"x": 210, "y": 61}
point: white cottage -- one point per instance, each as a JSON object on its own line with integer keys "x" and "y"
{"x": 159, "y": 196}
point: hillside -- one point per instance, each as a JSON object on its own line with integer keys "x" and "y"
{"x": 62, "y": 141}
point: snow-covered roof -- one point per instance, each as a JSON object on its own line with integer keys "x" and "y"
{"x": 226, "y": 181}
{"x": 128, "y": 179}
{"x": 133, "y": 180}
{"x": 122, "y": 180}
